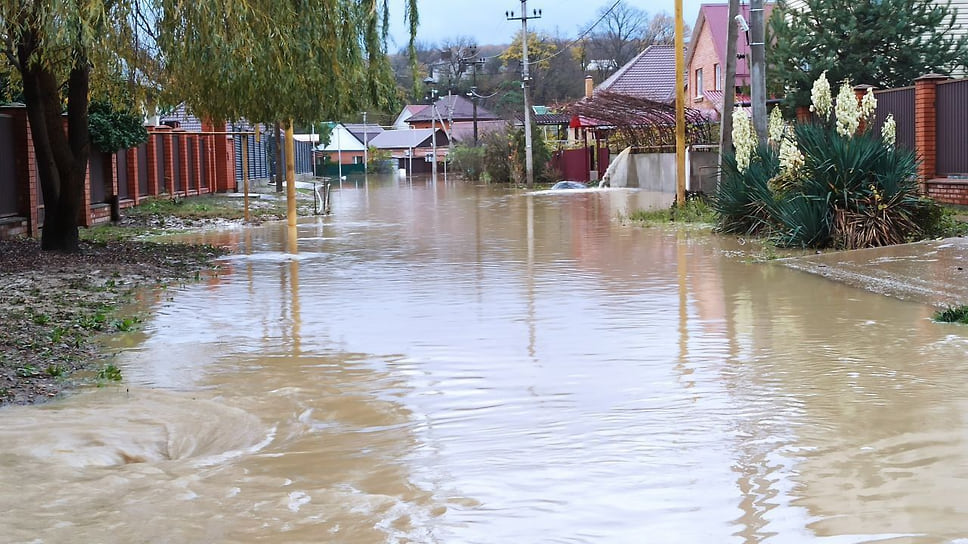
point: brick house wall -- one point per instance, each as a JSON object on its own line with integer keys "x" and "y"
{"x": 704, "y": 58}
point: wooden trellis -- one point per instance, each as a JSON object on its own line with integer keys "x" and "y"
{"x": 640, "y": 122}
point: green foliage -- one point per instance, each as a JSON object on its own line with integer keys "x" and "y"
{"x": 270, "y": 60}
{"x": 850, "y": 192}
{"x": 113, "y": 129}
{"x": 952, "y": 314}
{"x": 743, "y": 199}
{"x": 469, "y": 161}
{"x": 380, "y": 161}
{"x": 109, "y": 373}
{"x": 886, "y": 43}
{"x": 128, "y": 324}
{"x": 540, "y": 155}
{"x": 28, "y": 371}
{"x": 696, "y": 210}
{"x": 55, "y": 370}
{"x": 497, "y": 156}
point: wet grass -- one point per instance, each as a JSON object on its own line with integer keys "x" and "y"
{"x": 696, "y": 211}
{"x": 952, "y": 314}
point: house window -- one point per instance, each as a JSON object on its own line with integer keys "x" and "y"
{"x": 357, "y": 160}
{"x": 718, "y": 75}
{"x": 699, "y": 87}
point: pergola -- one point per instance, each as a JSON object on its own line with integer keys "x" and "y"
{"x": 642, "y": 123}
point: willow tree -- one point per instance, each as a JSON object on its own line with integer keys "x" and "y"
{"x": 265, "y": 60}
{"x": 59, "y": 52}
{"x": 269, "y": 60}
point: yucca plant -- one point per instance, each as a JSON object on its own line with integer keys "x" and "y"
{"x": 743, "y": 198}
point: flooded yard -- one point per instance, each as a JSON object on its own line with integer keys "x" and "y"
{"x": 450, "y": 363}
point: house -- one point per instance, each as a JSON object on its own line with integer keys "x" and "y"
{"x": 408, "y": 111}
{"x": 450, "y": 109}
{"x": 343, "y": 147}
{"x": 364, "y": 132}
{"x": 706, "y": 58}
{"x": 413, "y": 149}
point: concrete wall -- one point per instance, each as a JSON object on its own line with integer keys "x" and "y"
{"x": 657, "y": 171}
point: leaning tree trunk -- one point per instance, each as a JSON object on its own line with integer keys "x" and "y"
{"x": 61, "y": 155}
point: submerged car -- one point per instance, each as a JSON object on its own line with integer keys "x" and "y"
{"x": 568, "y": 185}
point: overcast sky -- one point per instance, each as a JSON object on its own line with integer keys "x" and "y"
{"x": 484, "y": 20}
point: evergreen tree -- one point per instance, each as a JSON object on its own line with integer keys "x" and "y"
{"x": 884, "y": 43}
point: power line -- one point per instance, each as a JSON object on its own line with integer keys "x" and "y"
{"x": 582, "y": 35}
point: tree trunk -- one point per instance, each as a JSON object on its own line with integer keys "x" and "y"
{"x": 61, "y": 155}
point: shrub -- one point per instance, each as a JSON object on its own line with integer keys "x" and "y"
{"x": 469, "y": 161}
{"x": 113, "y": 129}
{"x": 825, "y": 183}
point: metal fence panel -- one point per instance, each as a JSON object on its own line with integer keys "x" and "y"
{"x": 143, "y": 170}
{"x": 122, "y": 174}
{"x": 900, "y": 103}
{"x": 952, "y": 128}
{"x": 9, "y": 190}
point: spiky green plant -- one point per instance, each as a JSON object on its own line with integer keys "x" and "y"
{"x": 743, "y": 198}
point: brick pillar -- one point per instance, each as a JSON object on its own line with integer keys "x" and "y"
{"x": 28, "y": 185}
{"x": 223, "y": 181}
{"x": 925, "y": 125}
{"x": 85, "y": 212}
{"x": 131, "y": 162}
{"x": 859, "y": 92}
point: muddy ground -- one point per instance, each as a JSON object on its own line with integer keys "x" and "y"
{"x": 56, "y": 308}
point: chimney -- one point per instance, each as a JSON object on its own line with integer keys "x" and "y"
{"x": 589, "y": 86}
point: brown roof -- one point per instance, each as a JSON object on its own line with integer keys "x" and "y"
{"x": 650, "y": 75}
{"x": 454, "y": 107}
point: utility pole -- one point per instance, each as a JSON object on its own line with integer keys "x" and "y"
{"x": 525, "y": 83}
{"x": 473, "y": 94}
{"x": 729, "y": 85}
{"x": 680, "y": 109}
{"x": 758, "y": 69}
{"x": 365, "y": 147}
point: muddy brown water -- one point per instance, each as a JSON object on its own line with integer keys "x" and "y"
{"x": 446, "y": 363}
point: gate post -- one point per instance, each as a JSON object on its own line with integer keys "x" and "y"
{"x": 925, "y": 126}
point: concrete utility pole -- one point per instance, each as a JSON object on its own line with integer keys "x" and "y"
{"x": 758, "y": 69}
{"x": 729, "y": 85}
{"x": 525, "y": 84}
{"x": 680, "y": 109}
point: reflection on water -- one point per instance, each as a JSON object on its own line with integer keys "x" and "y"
{"x": 440, "y": 362}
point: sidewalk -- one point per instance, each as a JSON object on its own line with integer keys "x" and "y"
{"x": 932, "y": 272}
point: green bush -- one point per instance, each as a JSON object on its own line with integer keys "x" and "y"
{"x": 849, "y": 192}
{"x": 469, "y": 161}
{"x": 113, "y": 129}
{"x": 505, "y": 159}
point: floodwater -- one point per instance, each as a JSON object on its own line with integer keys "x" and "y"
{"x": 445, "y": 363}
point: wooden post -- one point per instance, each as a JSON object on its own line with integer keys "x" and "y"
{"x": 245, "y": 175}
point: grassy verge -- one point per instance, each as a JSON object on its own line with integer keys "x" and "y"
{"x": 953, "y": 314}
{"x": 696, "y": 211}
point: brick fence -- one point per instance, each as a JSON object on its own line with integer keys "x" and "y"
{"x": 172, "y": 162}
{"x": 932, "y": 120}
{"x": 940, "y": 135}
